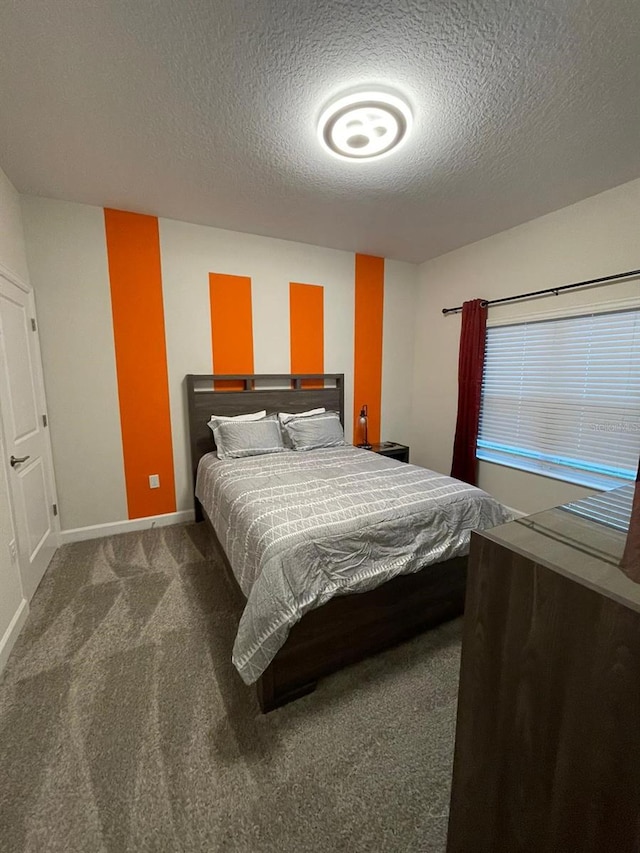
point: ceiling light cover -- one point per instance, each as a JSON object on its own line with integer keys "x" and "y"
{"x": 364, "y": 125}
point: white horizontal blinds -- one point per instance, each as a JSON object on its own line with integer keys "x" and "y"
{"x": 562, "y": 397}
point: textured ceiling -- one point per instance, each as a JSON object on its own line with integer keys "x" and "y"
{"x": 205, "y": 111}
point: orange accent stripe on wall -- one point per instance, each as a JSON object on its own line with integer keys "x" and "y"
{"x": 133, "y": 252}
{"x": 231, "y": 326}
{"x": 367, "y": 363}
{"x": 306, "y": 326}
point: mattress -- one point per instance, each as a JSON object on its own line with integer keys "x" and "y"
{"x": 300, "y": 528}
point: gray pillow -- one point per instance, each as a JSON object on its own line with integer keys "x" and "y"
{"x": 218, "y": 419}
{"x": 235, "y": 439}
{"x": 312, "y": 432}
{"x": 285, "y": 417}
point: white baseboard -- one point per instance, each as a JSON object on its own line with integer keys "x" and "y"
{"x": 95, "y": 531}
{"x": 11, "y": 634}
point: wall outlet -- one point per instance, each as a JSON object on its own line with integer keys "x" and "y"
{"x": 154, "y": 481}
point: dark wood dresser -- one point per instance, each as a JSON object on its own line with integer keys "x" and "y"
{"x": 547, "y": 755}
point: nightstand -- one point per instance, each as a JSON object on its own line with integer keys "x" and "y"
{"x": 395, "y": 451}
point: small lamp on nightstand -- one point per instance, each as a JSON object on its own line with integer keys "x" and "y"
{"x": 363, "y": 420}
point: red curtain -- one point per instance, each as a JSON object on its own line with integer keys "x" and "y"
{"x": 630, "y": 563}
{"x": 470, "y": 365}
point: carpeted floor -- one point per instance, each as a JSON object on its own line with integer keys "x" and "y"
{"x": 124, "y": 727}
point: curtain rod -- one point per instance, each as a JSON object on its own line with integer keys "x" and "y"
{"x": 555, "y": 290}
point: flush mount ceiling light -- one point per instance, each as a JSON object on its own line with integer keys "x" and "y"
{"x": 364, "y": 125}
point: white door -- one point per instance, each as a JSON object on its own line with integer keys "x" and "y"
{"x": 26, "y": 442}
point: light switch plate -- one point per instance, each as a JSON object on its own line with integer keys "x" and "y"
{"x": 154, "y": 481}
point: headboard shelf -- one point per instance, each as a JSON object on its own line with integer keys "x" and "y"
{"x": 288, "y": 381}
{"x": 240, "y": 394}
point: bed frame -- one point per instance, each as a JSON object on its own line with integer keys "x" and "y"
{"x": 347, "y": 628}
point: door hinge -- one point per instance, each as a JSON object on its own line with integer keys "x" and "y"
{"x": 45, "y": 422}
{"x": 34, "y": 328}
{"x": 55, "y": 509}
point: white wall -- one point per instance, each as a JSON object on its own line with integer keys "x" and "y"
{"x": 398, "y": 349}
{"x": 12, "y": 604}
{"x": 67, "y": 257}
{"x": 13, "y": 255}
{"x": 68, "y": 263}
{"x": 596, "y": 237}
{"x": 189, "y": 254}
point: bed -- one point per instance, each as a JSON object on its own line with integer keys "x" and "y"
{"x": 337, "y": 553}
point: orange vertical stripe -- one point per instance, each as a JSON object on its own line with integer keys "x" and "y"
{"x": 231, "y": 326}
{"x": 306, "y": 325}
{"x": 367, "y": 379}
{"x": 133, "y": 252}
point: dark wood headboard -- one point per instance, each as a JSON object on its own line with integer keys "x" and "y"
{"x": 275, "y": 392}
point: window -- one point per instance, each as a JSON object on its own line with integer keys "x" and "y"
{"x": 562, "y": 398}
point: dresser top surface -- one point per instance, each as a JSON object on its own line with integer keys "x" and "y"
{"x": 583, "y": 541}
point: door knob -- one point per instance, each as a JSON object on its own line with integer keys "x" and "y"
{"x": 16, "y": 461}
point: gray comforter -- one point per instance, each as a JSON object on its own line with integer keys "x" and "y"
{"x": 299, "y": 528}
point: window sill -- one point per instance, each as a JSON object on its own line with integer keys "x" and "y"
{"x": 583, "y": 479}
